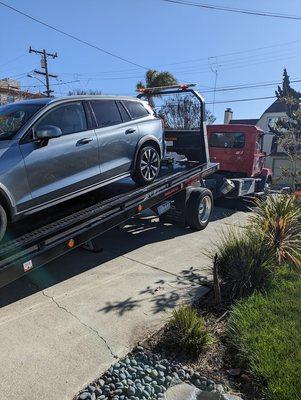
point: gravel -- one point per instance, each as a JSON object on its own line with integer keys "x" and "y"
{"x": 143, "y": 375}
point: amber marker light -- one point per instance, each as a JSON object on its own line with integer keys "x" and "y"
{"x": 71, "y": 243}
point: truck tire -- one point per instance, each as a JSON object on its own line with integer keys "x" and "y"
{"x": 147, "y": 165}
{"x": 3, "y": 222}
{"x": 198, "y": 208}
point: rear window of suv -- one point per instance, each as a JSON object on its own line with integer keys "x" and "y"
{"x": 106, "y": 112}
{"x": 136, "y": 109}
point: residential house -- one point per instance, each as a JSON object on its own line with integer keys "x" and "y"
{"x": 10, "y": 91}
{"x": 277, "y": 159}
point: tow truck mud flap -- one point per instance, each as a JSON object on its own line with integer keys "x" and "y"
{"x": 162, "y": 208}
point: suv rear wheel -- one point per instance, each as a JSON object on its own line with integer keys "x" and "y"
{"x": 147, "y": 165}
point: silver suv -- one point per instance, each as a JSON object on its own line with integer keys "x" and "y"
{"x": 54, "y": 149}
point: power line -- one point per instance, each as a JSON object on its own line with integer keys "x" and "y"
{"x": 195, "y": 60}
{"x": 71, "y": 36}
{"x": 229, "y": 64}
{"x": 235, "y": 10}
{"x": 12, "y": 60}
{"x": 54, "y": 84}
{"x": 246, "y": 99}
{"x": 239, "y": 87}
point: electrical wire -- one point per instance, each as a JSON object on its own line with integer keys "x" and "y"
{"x": 12, "y": 60}
{"x": 234, "y": 10}
{"x": 251, "y": 86}
{"x": 53, "y": 84}
{"x": 246, "y": 99}
{"x": 71, "y": 36}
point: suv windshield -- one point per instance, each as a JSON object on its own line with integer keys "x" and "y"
{"x": 14, "y": 116}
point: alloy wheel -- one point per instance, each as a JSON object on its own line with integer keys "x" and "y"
{"x": 149, "y": 164}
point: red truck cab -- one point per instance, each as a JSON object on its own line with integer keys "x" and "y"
{"x": 238, "y": 150}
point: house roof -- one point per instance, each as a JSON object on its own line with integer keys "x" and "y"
{"x": 243, "y": 121}
{"x": 21, "y": 93}
{"x": 276, "y": 107}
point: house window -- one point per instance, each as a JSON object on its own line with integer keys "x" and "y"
{"x": 271, "y": 123}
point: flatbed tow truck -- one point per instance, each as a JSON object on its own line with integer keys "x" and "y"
{"x": 180, "y": 187}
{"x": 182, "y": 194}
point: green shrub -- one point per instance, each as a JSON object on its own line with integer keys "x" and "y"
{"x": 186, "y": 331}
{"x": 278, "y": 219}
{"x": 242, "y": 261}
{"x": 265, "y": 329}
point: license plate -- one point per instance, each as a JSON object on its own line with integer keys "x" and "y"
{"x": 163, "y": 208}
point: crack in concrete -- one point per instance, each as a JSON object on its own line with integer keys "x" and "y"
{"x": 143, "y": 263}
{"x": 81, "y": 322}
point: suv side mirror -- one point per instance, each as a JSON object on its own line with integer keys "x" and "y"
{"x": 48, "y": 132}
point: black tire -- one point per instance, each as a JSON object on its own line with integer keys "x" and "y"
{"x": 3, "y": 222}
{"x": 147, "y": 165}
{"x": 198, "y": 208}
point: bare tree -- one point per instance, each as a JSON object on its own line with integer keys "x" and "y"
{"x": 77, "y": 92}
{"x": 183, "y": 112}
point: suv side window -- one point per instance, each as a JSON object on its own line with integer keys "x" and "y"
{"x": 124, "y": 113}
{"x": 136, "y": 109}
{"x": 70, "y": 118}
{"x": 106, "y": 112}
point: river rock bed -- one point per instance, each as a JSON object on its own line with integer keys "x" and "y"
{"x": 143, "y": 375}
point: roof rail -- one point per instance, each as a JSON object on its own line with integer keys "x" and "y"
{"x": 183, "y": 87}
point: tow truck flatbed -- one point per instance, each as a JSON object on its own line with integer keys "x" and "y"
{"x": 118, "y": 202}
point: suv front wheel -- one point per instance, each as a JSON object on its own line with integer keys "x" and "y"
{"x": 147, "y": 165}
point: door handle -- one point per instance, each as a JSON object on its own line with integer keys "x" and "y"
{"x": 130, "y": 130}
{"x": 84, "y": 141}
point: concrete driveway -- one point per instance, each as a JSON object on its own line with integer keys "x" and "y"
{"x": 63, "y": 325}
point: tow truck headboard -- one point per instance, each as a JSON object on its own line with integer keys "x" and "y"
{"x": 190, "y": 142}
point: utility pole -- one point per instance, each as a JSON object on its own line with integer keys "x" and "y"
{"x": 213, "y": 65}
{"x": 44, "y": 65}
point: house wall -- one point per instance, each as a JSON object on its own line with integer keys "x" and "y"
{"x": 10, "y": 91}
{"x": 276, "y": 161}
{"x": 11, "y": 97}
{"x": 281, "y": 164}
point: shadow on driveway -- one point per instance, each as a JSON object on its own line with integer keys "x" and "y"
{"x": 137, "y": 233}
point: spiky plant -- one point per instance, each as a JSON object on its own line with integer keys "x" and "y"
{"x": 278, "y": 220}
{"x": 187, "y": 331}
{"x": 242, "y": 262}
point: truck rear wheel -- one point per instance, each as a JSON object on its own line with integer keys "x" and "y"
{"x": 3, "y": 222}
{"x": 198, "y": 208}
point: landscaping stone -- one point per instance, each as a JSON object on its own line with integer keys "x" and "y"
{"x": 227, "y": 396}
{"x": 143, "y": 375}
{"x": 183, "y": 391}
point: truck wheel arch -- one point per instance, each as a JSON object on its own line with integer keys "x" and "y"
{"x": 7, "y": 205}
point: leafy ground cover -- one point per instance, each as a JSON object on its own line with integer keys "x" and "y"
{"x": 266, "y": 330}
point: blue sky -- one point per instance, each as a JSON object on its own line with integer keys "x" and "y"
{"x": 158, "y": 35}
